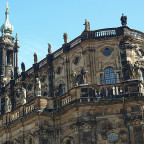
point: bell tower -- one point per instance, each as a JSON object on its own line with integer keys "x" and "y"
{"x": 8, "y": 52}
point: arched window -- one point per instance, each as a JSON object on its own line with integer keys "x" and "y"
{"x": 68, "y": 142}
{"x": 61, "y": 89}
{"x": 109, "y": 75}
{"x": 30, "y": 141}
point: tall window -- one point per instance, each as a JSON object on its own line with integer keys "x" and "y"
{"x": 102, "y": 79}
{"x": 68, "y": 142}
{"x": 30, "y": 141}
{"x": 109, "y": 75}
{"x": 118, "y": 77}
{"x": 61, "y": 89}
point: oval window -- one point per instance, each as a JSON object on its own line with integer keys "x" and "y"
{"x": 112, "y": 137}
{"x": 76, "y": 60}
{"x": 107, "y": 51}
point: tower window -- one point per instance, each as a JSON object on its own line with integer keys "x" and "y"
{"x": 109, "y": 76}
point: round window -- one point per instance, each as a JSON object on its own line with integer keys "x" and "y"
{"x": 107, "y": 51}
{"x": 112, "y": 137}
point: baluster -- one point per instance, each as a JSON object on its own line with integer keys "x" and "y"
{"x": 121, "y": 90}
{"x": 113, "y": 89}
{"x": 106, "y": 92}
{"x": 117, "y": 91}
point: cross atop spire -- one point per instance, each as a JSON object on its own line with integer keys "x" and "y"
{"x": 7, "y": 6}
{"x": 7, "y": 28}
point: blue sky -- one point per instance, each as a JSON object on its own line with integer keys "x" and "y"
{"x": 39, "y": 22}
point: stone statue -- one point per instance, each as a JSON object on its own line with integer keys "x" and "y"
{"x": 8, "y": 105}
{"x": 11, "y": 74}
{"x": 23, "y": 67}
{"x": 129, "y": 74}
{"x": 87, "y": 25}
{"x": 84, "y": 75}
{"x": 2, "y": 82}
{"x": 141, "y": 87}
{"x": 49, "y": 48}
{"x": 138, "y": 72}
{"x": 23, "y": 95}
{"x": 38, "y": 87}
{"x": 123, "y": 20}
{"x": 35, "y": 58}
{"x": 65, "y": 37}
{"x": 74, "y": 78}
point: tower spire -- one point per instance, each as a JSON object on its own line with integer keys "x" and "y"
{"x": 7, "y": 27}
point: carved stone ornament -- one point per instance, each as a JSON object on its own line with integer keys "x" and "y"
{"x": 8, "y": 105}
{"x": 37, "y": 87}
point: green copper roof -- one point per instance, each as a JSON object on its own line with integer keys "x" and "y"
{"x": 7, "y": 28}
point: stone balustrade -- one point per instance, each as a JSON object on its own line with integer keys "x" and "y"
{"x": 88, "y": 93}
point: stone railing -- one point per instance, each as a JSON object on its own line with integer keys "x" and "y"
{"x": 88, "y": 93}
{"x": 105, "y": 33}
{"x": 37, "y": 104}
{"x": 137, "y": 34}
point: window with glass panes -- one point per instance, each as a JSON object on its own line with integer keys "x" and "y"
{"x": 102, "y": 79}
{"x": 118, "y": 77}
{"x": 109, "y": 76}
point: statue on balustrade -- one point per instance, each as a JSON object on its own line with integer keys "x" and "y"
{"x": 123, "y": 20}
{"x": 87, "y": 25}
{"x": 74, "y": 78}
{"x": 65, "y": 37}
{"x": 35, "y": 58}
{"x": 84, "y": 75}
{"x": 23, "y": 67}
{"x": 37, "y": 87}
{"x": 49, "y": 48}
{"x": 23, "y": 95}
{"x": 8, "y": 105}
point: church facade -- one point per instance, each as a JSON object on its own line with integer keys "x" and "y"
{"x": 89, "y": 91}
